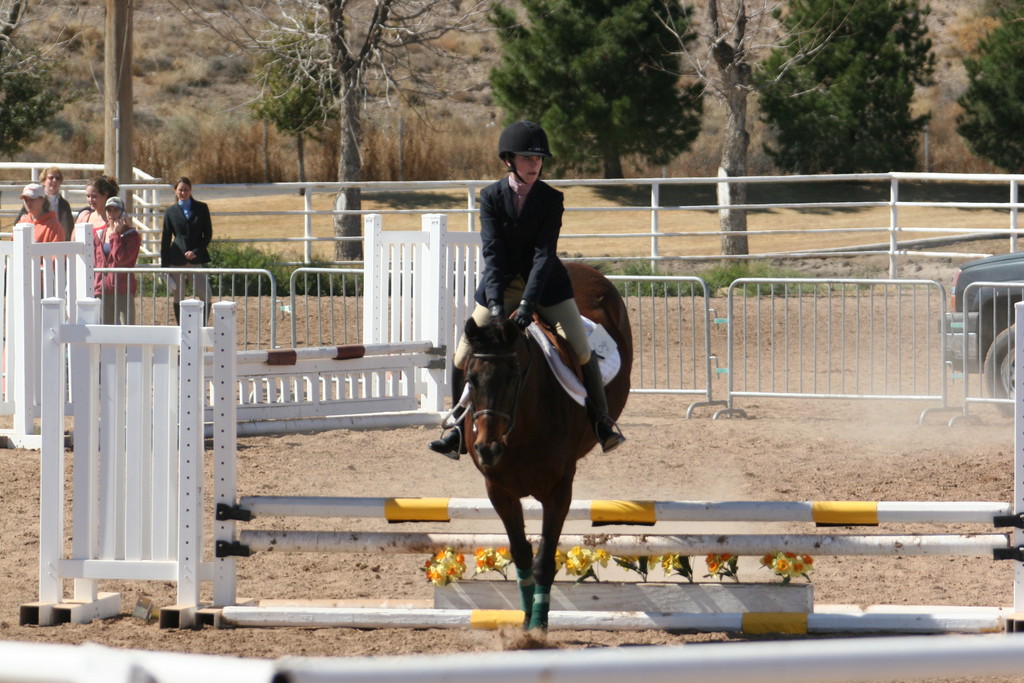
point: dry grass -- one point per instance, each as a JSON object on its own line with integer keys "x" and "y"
{"x": 185, "y": 73}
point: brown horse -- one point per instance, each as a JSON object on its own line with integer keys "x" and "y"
{"x": 525, "y": 433}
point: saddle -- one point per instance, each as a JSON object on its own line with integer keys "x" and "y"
{"x": 562, "y": 358}
{"x": 560, "y": 345}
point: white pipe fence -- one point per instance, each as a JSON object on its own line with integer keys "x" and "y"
{"x": 890, "y": 211}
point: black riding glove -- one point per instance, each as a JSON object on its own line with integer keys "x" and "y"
{"x": 496, "y": 310}
{"x": 524, "y": 314}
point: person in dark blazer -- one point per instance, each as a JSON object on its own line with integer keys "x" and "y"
{"x": 185, "y": 244}
{"x": 520, "y": 221}
{"x": 51, "y": 179}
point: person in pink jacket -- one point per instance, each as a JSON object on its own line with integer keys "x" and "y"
{"x": 116, "y": 245}
{"x": 37, "y": 212}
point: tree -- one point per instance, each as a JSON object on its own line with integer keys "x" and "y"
{"x": 290, "y": 98}
{"x": 355, "y": 52}
{"x": 598, "y": 75}
{"x": 993, "y": 102}
{"x": 29, "y": 93}
{"x": 843, "y": 102}
{"x": 729, "y": 37}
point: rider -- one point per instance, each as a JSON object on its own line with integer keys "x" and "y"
{"x": 520, "y": 218}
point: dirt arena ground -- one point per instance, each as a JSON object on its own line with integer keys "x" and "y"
{"x": 783, "y": 450}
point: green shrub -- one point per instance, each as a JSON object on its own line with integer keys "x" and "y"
{"x": 717, "y": 278}
{"x": 642, "y": 269}
{"x": 230, "y": 255}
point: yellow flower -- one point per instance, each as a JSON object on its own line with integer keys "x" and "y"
{"x": 787, "y": 565}
{"x": 445, "y": 567}
{"x": 722, "y": 565}
{"x": 559, "y": 560}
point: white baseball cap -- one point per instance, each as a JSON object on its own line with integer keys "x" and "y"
{"x": 33, "y": 191}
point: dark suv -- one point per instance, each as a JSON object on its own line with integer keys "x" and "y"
{"x": 982, "y": 315}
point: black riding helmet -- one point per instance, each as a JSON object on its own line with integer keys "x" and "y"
{"x": 524, "y": 138}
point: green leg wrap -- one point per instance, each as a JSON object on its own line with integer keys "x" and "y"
{"x": 526, "y": 586}
{"x": 541, "y": 606}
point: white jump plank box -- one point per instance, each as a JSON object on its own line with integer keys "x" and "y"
{"x": 701, "y": 598}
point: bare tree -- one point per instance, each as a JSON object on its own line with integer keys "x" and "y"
{"x": 356, "y": 51}
{"x": 731, "y": 36}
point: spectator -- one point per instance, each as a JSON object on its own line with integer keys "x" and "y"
{"x": 37, "y": 211}
{"x": 186, "y": 237}
{"x": 97, "y": 192}
{"x": 51, "y": 179}
{"x": 116, "y": 245}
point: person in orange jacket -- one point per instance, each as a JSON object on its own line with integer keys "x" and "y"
{"x": 47, "y": 227}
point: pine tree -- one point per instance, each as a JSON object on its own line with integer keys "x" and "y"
{"x": 993, "y": 102}
{"x": 838, "y": 91}
{"x": 599, "y": 76}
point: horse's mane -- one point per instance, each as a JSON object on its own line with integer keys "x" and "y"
{"x": 494, "y": 337}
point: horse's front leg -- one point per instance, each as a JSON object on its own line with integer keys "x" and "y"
{"x": 510, "y": 510}
{"x": 556, "y": 508}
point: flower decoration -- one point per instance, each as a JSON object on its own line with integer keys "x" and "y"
{"x": 640, "y": 565}
{"x": 491, "y": 560}
{"x": 580, "y": 562}
{"x": 678, "y": 565}
{"x": 788, "y": 565}
{"x": 722, "y": 565}
{"x": 445, "y": 567}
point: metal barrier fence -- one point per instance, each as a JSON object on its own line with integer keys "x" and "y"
{"x": 671, "y": 320}
{"x": 325, "y": 306}
{"x": 832, "y": 338}
{"x": 786, "y": 338}
{"x": 253, "y": 289}
{"x": 985, "y": 337}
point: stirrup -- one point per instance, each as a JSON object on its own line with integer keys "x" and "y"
{"x": 609, "y": 436}
{"x": 448, "y": 445}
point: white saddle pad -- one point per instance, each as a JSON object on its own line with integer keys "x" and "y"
{"x": 602, "y": 346}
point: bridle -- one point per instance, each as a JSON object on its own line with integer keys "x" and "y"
{"x": 509, "y": 417}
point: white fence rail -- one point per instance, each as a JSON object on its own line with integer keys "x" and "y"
{"x": 657, "y": 219}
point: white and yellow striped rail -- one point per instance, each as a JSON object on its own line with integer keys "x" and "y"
{"x": 841, "y": 513}
{"x": 924, "y": 620}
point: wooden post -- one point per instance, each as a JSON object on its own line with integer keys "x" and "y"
{"x": 117, "y": 95}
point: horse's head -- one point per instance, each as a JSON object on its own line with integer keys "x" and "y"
{"x": 494, "y": 376}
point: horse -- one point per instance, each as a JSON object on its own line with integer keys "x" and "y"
{"x": 526, "y": 434}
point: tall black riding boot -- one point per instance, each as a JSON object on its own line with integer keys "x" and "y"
{"x": 608, "y": 434}
{"x": 453, "y": 444}
{"x": 177, "y": 314}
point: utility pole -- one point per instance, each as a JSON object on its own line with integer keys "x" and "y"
{"x": 118, "y": 159}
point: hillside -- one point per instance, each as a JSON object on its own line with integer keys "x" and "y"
{"x": 192, "y": 91}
